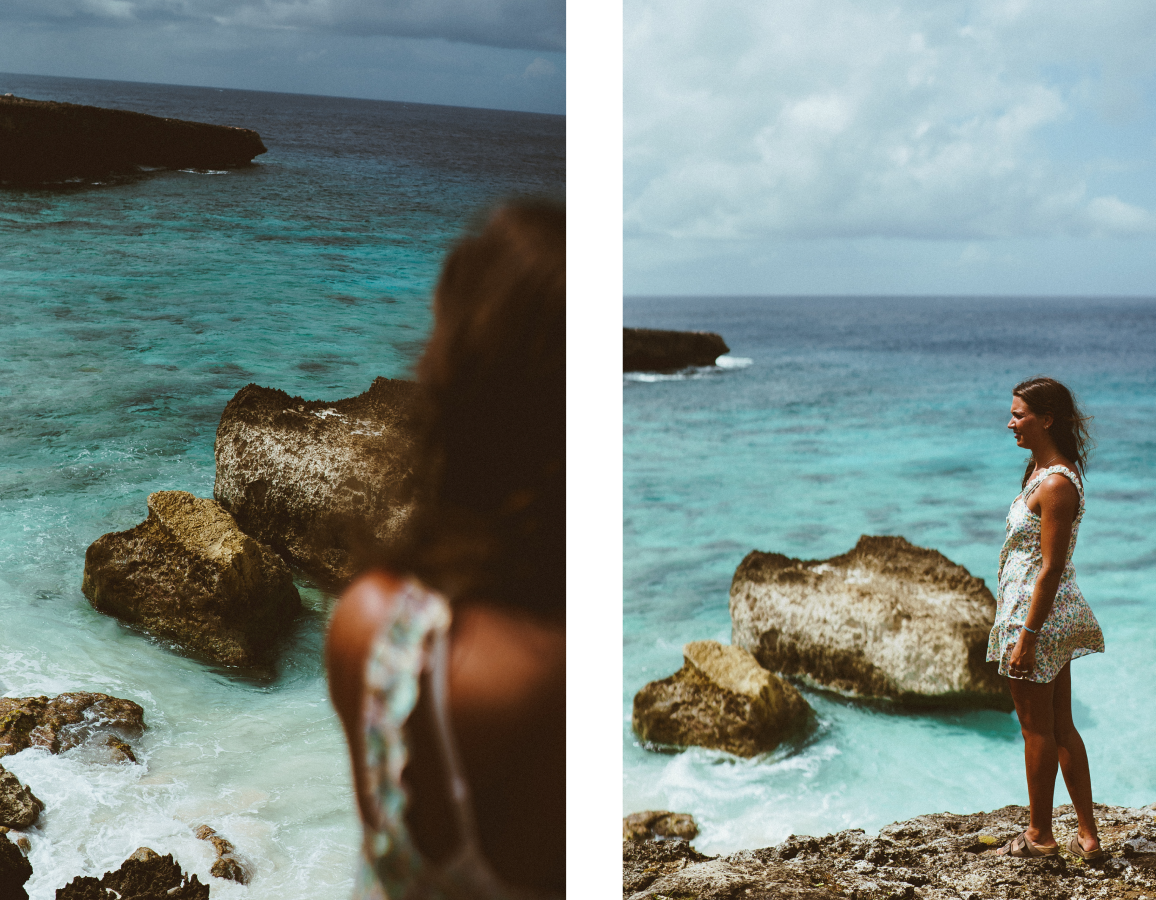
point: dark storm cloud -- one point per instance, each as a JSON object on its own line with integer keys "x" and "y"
{"x": 514, "y": 24}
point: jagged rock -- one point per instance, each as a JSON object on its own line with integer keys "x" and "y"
{"x": 652, "y": 824}
{"x": 318, "y": 480}
{"x": 71, "y": 720}
{"x": 228, "y": 864}
{"x": 19, "y": 807}
{"x": 24, "y": 844}
{"x": 189, "y": 574}
{"x": 888, "y": 619}
{"x": 14, "y": 870}
{"x": 657, "y": 350}
{"x": 140, "y": 877}
{"x": 43, "y": 141}
{"x": 935, "y": 857}
{"x": 720, "y": 698}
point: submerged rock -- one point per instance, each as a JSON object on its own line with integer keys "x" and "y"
{"x": 318, "y": 481}
{"x": 43, "y": 141}
{"x": 888, "y": 619}
{"x": 228, "y": 864}
{"x": 656, "y": 824}
{"x": 935, "y": 857}
{"x": 19, "y": 807}
{"x": 14, "y": 870}
{"x": 74, "y": 719}
{"x": 720, "y": 698}
{"x": 189, "y": 574}
{"x": 657, "y": 350}
{"x": 146, "y": 875}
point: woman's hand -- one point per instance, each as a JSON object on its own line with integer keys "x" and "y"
{"x": 1023, "y": 658}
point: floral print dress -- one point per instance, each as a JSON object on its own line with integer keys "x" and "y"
{"x": 1070, "y": 630}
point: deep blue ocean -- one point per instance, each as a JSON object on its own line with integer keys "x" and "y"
{"x": 836, "y": 417}
{"x": 129, "y": 315}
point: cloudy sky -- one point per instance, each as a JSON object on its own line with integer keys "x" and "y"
{"x": 838, "y": 146}
{"x": 502, "y": 54}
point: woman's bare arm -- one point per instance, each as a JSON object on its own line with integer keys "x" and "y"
{"x": 354, "y": 624}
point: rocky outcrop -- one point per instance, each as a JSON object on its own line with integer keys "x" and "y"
{"x": 228, "y": 864}
{"x": 75, "y": 719}
{"x": 190, "y": 575}
{"x": 15, "y": 870}
{"x": 720, "y": 698}
{"x": 658, "y": 824}
{"x": 934, "y": 857}
{"x": 656, "y": 350}
{"x": 146, "y": 875}
{"x": 888, "y": 620}
{"x": 19, "y": 807}
{"x": 318, "y": 481}
{"x": 42, "y": 141}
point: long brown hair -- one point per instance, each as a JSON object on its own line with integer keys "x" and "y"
{"x": 490, "y": 465}
{"x": 1047, "y": 397}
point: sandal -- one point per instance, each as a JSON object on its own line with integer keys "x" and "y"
{"x": 1022, "y": 848}
{"x": 1075, "y": 849}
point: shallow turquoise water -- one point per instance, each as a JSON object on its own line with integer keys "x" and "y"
{"x": 130, "y": 315}
{"x": 842, "y": 417}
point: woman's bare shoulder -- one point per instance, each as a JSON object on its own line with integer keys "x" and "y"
{"x": 1058, "y": 494}
{"x": 504, "y": 663}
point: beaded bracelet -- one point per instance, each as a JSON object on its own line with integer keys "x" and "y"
{"x": 1032, "y": 630}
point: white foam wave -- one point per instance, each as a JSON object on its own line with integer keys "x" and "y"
{"x": 691, "y": 373}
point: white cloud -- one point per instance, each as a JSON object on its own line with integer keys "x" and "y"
{"x": 517, "y": 24}
{"x": 802, "y": 118}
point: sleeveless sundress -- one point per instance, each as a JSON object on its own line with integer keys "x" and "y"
{"x": 414, "y": 640}
{"x": 1070, "y": 630}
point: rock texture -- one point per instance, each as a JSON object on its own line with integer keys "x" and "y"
{"x": 228, "y": 864}
{"x": 317, "y": 480}
{"x": 189, "y": 574}
{"x": 19, "y": 807}
{"x": 656, "y": 350}
{"x": 146, "y": 875}
{"x": 42, "y": 141}
{"x": 888, "y": 620}
{"x": 75, "y": 719}
{"x": 934, "y": 857}
{"x": 720, "y": 698}
{"x": 14, "y": 870}
{"x": 658, "y": 824}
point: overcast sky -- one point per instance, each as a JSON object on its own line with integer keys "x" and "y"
{"x": 838, "y": 146}
{"x": 501, "y": 54}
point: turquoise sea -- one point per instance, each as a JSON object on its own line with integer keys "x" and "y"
{"x": 129, "y": 315}
{"x": 836, "y": 417}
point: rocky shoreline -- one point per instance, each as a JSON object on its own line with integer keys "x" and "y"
{"x": 659, "y": 350}
{"x": 42, "y": 142}
{"x": 298, "y": 482}
{"x": 931, "y": 857}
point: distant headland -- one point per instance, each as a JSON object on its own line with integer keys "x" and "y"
{"x": 42, "y": 142}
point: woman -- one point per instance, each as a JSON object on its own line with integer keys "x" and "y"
{"x": 1042, "y": 621}
{"x": 447, "y": 662}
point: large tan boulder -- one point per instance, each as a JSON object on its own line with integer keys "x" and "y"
{"x": 888, "y": 619}
{"x": 720, "y": 698}
{"x": 318, "y": 480}
{"x": 190, "y": 575}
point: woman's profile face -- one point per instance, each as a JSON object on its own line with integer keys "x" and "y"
{"x": 1027, "y": 427}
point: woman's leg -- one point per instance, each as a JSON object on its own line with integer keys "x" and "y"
{"x": 1073, "y": 759}
{"x": 1037, "y": 723}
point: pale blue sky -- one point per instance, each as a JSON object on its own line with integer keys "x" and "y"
{"x": 807, "y": 147}
{"x": 500, "y": 54}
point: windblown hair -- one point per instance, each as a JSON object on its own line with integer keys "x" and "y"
{"x": 490, "y": 464}
{"x": 1047, "y": 397}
